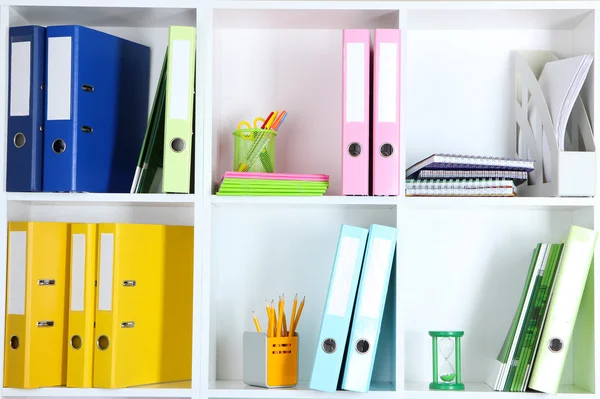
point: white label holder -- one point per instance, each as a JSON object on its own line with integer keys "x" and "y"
{"x": 570, "y": 173}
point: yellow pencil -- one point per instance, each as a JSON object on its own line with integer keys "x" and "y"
{"x": 295, "y": 323}
{"x": 280, "y": 320}
{"x": 256, "y": 323}
{"x": 293, "y": 312}
{"x": 285, "y": 330}
{"x": 274, "y": 314}
{"x": 269, "y": 326}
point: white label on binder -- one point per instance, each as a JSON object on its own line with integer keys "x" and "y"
{"x": 59, "y": 78}
{"x": 17, "y": 269}
{"x": 105, "y": 285}
{"x": 180, "y": 80}
{"x": 20, "y": 75}
{"x": 388, "y": 82}
{"x": 342, "y": 279}
{"x": 77, "y": 272}
{"x": 355, "y": 82}
{"x": 374, "y": 280}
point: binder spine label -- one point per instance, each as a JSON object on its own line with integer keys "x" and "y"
{"x": 375, "y": 276}
{"x": 20, "y": 78}
{"x": 59, "y": 78}
{"x": 78, "y": 273}
{"x": 181, "y": 80}
{"x": 17, "y": 272}
{"x": 107, "y": 249}
{"x": 342, "y": 280}
{"x": 355, "y": 82}
{"x": 386, "y": 95}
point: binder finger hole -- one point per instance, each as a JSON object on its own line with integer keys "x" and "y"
{"x": 329, "y": 345}
{"x": 19, "y": 140}
{"x": 354, "y": 149}
{"x": 59, "y": 146}
{"x": 386, "y": 150}
{"x": 362, "y": 346}
{"x": 14, "y": 342}
{"x": 177, "y": 144}
{"x": 555, "y": 345}
{"x": 76, "y": 342}
{"x": 103, "y": 342}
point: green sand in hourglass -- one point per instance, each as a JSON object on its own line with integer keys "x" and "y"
{"x": 446, "y": 350}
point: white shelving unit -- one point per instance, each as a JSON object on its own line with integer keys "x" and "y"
{"x": 461, "y": 262}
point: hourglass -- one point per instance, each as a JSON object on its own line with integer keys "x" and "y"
{"x": 446, "y": 360}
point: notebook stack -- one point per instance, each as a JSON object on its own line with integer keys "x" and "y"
{"x": 466, "y": 176}
{"x": 279, "y": 184}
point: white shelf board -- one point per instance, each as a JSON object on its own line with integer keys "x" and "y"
{"x": 169, "y": 390}
{"x": 102, "y": 199}
{"x": 498, "y": 203}
{"x": 420, "y": 390}
{"x": 107, "y": 16}
{"x": 237, "y": 389}
{"x": 310, "y": 200}
{"x": 284, "y": 18}
{"x": 451, "y": 19}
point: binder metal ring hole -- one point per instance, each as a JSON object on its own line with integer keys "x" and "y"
{"x": 88, "y": 88}
{"x": 14, "y": 342}
{"x": 41, "y": 128}
{"x": 59, "y": 146}
{"x": 555, "y": 345}
{"x": 76, "y": 342}
{"x": 362, "y": 346}
{"x": 329, "y": 345}
{"x": 177, "y": 144}
{"x": 103, "y": 342}
{"x": 354, "y": 149}
{"x": 19, "y": 140}
{"x": 87, "y": 129}
{"x": 386, "y": 150}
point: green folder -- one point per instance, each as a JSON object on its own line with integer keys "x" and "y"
{"x": 153, "y": 157}
{"x": 179, "y": 113}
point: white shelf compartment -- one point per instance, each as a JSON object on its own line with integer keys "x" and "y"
{"x": 464, "y": 269}
{"x": 144, "y": 25}
{"x": 278, "y": 252}
{"x": 465, "y": 106}
{"x": 169, "y": 390}
{"x": 257, "y": 70}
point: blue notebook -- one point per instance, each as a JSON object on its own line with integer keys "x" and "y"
{"x": 96, "y": 110}
{"x": 27, "y": 65}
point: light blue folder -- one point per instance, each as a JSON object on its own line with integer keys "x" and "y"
{"x": 368, "y": 312}
{"x": 338, "y": 308}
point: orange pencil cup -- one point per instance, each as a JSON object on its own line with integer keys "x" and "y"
{"x": 270, "y": 362}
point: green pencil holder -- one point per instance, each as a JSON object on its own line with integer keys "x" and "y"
{"x": 254, "y": 150}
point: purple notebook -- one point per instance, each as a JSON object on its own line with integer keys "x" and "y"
{"x": 469, "y": 162}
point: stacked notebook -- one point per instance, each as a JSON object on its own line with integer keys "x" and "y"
{"x": 546, "y": 313}
{"x": 279, "y": 184}
{"x": 466, "y": 176}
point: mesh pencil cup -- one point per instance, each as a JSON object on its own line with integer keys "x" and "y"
{"x": 254, "y": 150}
{"x": 270, "y": 362}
